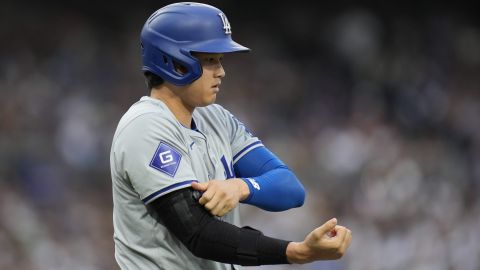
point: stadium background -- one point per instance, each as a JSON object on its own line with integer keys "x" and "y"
{"x": 375, "y": 106}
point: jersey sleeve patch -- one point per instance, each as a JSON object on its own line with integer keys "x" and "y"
{"x": 166, "y": 159}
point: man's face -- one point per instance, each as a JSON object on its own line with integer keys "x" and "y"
{"x": 203, "y": 91}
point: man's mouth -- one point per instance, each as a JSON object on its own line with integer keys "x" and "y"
{"x": 217, "y": 86}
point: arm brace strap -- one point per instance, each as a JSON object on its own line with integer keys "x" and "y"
{"x": 209, "y": 238}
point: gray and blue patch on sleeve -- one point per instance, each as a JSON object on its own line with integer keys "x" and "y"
{"x": 166, "y": 159}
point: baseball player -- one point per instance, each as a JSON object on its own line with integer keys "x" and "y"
{"x": 180, "y": 164}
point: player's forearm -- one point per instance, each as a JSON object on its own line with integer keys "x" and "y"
{"x": 296, "y": 253}
{"x": 275, "y": 190}
{"x": 273, "y": 187}
{"x": 224, "y": 242}
{"x": 212, "y": 239}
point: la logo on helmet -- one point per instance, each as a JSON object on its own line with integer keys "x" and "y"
{"x": 226, "y": 24}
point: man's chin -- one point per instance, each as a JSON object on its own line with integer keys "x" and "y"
{"x": 206, "y": 103}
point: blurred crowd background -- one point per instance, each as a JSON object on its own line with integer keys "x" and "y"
{"x": 376, "y": 107}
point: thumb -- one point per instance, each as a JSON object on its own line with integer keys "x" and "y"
{"x": 200, "y": 186}
{"x": 328, "y": 226}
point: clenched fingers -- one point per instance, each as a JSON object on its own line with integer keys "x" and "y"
{"x": 207, "y": 196}
{"x": 219, "y": 205}
{"x": 342, "y": 241}
{"x": 220, "y": 209}
{"x": 341, "y": 233}
{"x": 346, "y": 242}
{"x": 211, "y": 203}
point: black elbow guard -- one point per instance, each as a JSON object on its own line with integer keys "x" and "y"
{"x": 256, "y": 249}
{"x": 209, "y": 238}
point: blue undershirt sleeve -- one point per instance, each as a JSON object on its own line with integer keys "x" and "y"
{"x": 273, "y": 186}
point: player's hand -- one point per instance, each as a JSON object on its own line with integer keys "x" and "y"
{"x": 221, "y": 196}
{"x": 327, "y": 242}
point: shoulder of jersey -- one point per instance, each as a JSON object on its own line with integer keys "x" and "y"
{"x": 144, "y": 106}
{"x": 144, "y": 109}
{"x": 147, "y": 106}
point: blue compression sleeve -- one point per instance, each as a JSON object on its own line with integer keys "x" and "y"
{"x": 272, "y": 185}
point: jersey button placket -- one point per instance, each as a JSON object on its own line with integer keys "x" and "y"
{"x": 208, "y": 154}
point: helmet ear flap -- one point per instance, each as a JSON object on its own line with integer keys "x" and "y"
{"x": 180, "y": 70}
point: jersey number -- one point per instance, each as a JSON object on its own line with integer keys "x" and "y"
{"x": 229, "y": 172}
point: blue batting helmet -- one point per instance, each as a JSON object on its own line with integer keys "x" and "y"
{"x": 174, "y": 31}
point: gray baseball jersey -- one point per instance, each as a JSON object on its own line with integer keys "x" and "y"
{"x": 153, "y": 154}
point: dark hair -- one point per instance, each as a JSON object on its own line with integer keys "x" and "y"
{"x": 152, "y": 80}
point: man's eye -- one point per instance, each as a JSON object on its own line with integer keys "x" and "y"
{"x": 212, "y": 60}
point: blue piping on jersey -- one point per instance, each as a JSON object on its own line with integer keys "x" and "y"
{"x": 245, "y": 149}
{"x": 165, "y": 190}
